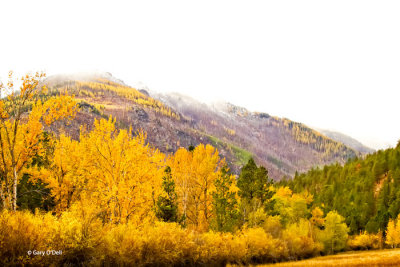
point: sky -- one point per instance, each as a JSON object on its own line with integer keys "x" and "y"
{"x": 329, "y": 64}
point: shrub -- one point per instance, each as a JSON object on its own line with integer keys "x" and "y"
{"x": 365, "y": 241}
{"x": 298, "y": 237}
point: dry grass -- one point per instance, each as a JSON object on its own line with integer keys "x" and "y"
{"x": 390, "y": 257}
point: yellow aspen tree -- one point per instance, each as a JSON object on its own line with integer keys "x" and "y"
{"x": 180, "y": 164}
{"x": 195, "y": 173}
{"x": 64, "y": 176}
{"x": 21, "y": 128}
{"x": 123, "y": 173}
{"x": 393, "y": 233}
{"x": 108, "y": 168}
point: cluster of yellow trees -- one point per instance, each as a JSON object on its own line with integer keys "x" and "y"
{"x": 109, "y": 187}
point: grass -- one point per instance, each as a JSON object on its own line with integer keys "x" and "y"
{"x": 242, "y": 156}
{"x": 387, "y": 257}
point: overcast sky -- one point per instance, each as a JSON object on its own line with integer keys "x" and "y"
{"x": 328, "y": 64}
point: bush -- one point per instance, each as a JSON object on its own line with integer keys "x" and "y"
{"x": 298, "y": 237}
{"x": 365, "y": 241}
{"x": 262, "y": 247}
{"x": 85, "y": 240}
{"x": 21, "y": 232}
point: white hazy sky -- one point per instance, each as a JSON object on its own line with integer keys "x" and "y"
{"x": 328, "y": 64}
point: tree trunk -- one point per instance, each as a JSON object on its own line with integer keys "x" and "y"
{"x": 14, "y": 201}
{"x": 3, "y": 198}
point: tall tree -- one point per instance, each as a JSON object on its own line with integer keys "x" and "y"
{"x": 20, "y": 132}
{"x": 254, "y": 188}
{"x": 335, "y": 234}
{"x": 167, "y": 205}
{"x": 195, "y": 173}
{"x": 225, "y": 204}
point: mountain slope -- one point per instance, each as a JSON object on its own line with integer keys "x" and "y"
{"x": 347, "y": 140}
{"x": 283, "y": 146}
{"x": 174, "y": 120}
{"x": 369, "y": 187}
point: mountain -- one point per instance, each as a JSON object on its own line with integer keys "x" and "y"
{"x": 347, "y": 140}
{"x": 174, "y": 120}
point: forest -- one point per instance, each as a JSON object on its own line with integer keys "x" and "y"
{"x": 110, "y": 198}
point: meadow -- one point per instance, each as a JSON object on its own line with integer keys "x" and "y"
{"x": 387, "y": 257}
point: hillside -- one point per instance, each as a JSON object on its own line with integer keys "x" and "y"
{"x": 172, "y": 121}
{"x": 347, "y": 140}
{"x": 369, "y": 186}
{"x": 283, "y": 146}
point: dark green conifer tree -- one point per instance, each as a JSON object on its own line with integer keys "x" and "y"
{"x": 166, "y": 206}
{"x": 225, "y": 205}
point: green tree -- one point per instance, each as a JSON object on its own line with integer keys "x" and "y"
{"x": 34, "y": 195}
{"x": 166, "y": 205}
{"x": 254, "y": 189}
{"x": 334, "y": 236}
{"x": 254, "y": 183}
{"x": 225, "y": 205}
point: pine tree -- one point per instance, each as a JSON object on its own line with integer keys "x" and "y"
{"x": 225, "y": 205}
{"x": 167, "y": 206}
{"x": 254, "y": 184}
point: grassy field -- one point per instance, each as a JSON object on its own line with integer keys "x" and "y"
{"x": 389, "y": 257}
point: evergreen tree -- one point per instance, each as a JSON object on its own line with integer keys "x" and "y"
{"x": 254, "y": 189}
{"x": 167, "y": 206}
{"x": 225, "y": 205}
{"x": 247, "y": 181}
{"x": 254, "y": 183}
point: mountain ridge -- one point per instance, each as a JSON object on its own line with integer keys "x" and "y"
{"x": 175, "y": 120}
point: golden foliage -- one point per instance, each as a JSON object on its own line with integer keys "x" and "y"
{"x": 195, "y": 173}
{"x": 107, "y": 168}
{"x": 393, "y": 233}
{"x": 365, "y": 241}
{"x": 83, "y": 238}
{"x": 20, "y": 136}
{"x": 299, "y": 239}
